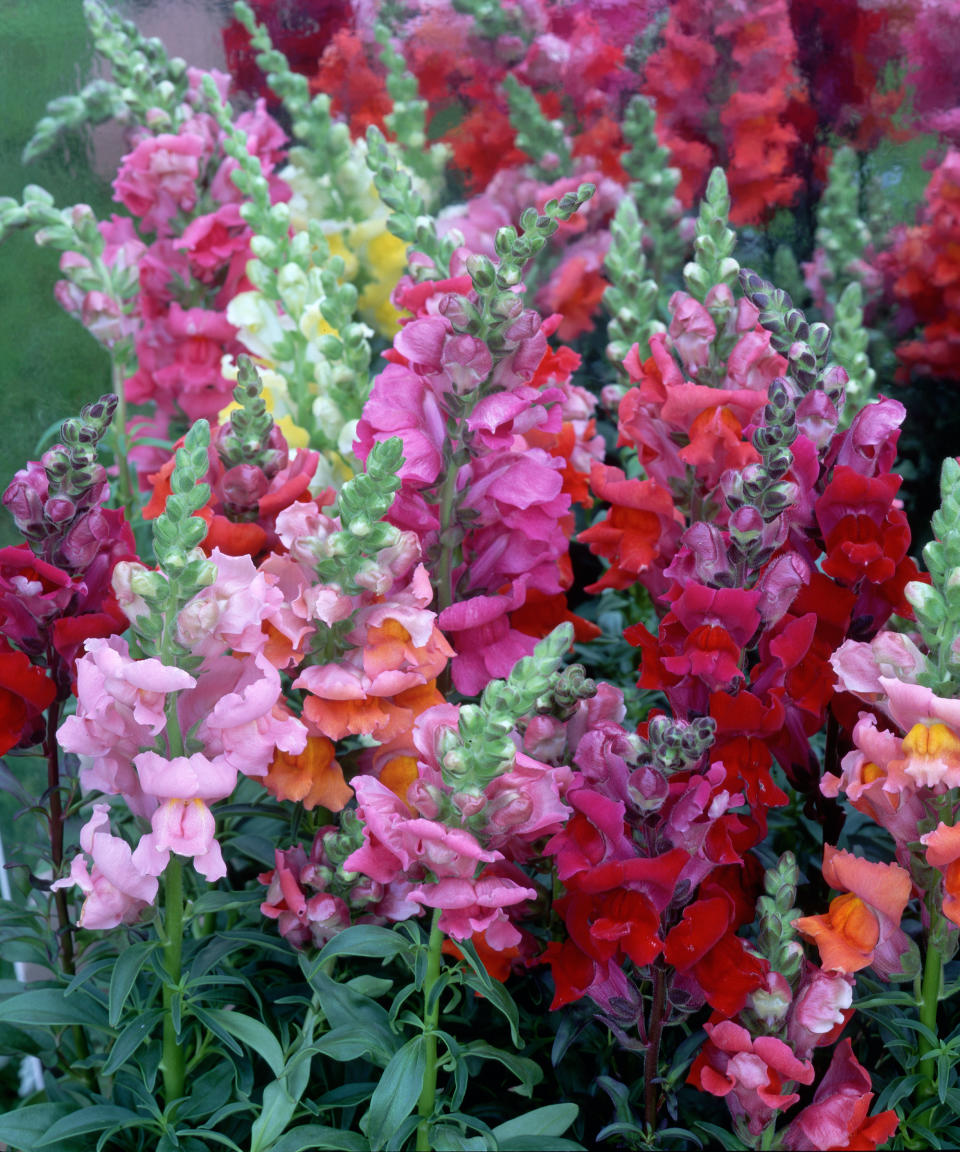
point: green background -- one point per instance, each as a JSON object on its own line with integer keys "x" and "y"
{"x": 49, "y": 366}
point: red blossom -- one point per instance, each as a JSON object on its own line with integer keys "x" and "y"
{"x": 25, "y": 693}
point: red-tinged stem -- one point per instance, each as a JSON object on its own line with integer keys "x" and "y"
{"x": 651, "y": 1061}
{"x": 55, "y": 824}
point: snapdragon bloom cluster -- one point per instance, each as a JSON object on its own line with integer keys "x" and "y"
{"x": 925, "y": 277}
{"x": 130, "y": 716}
{"x": 570, "y": 57}
{"x": 185, "y": 250}
{"x": 55, "y": 587}
{"x": 496, "y": 446}
{"x": 903, "y": 774}
{"x": 765, "y": 119}
{"x": 761, "y": 584}
{"x": 253, "y": 476}
{"x": 433, "y": 832}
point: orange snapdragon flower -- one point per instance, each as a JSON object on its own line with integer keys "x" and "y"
{"x": 313, "y": 777}
{"x": 943, "y": 852}
{"x": 862, "y": 927}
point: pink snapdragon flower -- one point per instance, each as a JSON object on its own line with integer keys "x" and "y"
{"x": 239, "y": 707}
{"x": 120, "y": 709}
{"x": 302, "y": 918}
{"x": 756, "y": 1075}
{"x": 837, "y": 1118}
{"x": 477, "y": 905}
{"x": 820, "y": 1009}
{"x": 159, "y": 178}
{"x": 116, "y": 890}
{"x": 229, "y": 613}
{"x": 183, "y": 822}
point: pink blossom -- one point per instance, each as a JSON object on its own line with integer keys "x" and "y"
{"x": 486, "y": 646}
{"x": 820, "y": 1009}
{"x": 229, "y": 613}
{"x": 120, "y": 709}
{"x": 859, "y": 666}
{"x": 116, "y": 891}
{"x": 692, "y": 331}
{"x": 211, "y": 241}
{"x": 476, "y": 905}
{"x": 837, "y": 1118}
{"x": 402, "y": 404}
{"x": 159, "y": 178}
{"x": 179, "y": 356}
{"x": 750, "y": 1073}
{"x": 183, "y": 822}
{"x": 752, "y": 364}
{"x": 909, "y": 704}
{"x": 525, "y": 804}
{"x": 248, "y": 721}
{"x": 396, "y": 841}
{"x": 301, "y": 918}
{"x": 870, "y": 445}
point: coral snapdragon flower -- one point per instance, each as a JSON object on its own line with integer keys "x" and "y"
{"x": 861, "y": 927}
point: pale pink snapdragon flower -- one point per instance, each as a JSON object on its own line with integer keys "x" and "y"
{"x": 120, "y": 709}
{"x": 116, "y": 890}
{"x": 229, "y": 613}
{"x": 183, "y": 823}
{"x": 244, "y": 719}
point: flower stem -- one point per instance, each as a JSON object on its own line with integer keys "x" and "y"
{"x": 122, "y": 446}
{"x": 929, "y": 1002}
{"x": 428, "y": 1093}
{"x": 651, "y": 1061}
{"x": 55, "y": 824}
{"x": 173, "y": 1054}
{"x": 448, "y": 497}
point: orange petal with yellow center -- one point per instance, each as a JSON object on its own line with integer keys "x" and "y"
{"x": 846, "y": 936}
{"x": 398, "y": 774}
{"x": 886, "y": 887}
{"x": 313, "y": 777}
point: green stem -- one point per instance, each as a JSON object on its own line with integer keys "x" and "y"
{"x": 174, "y": 1065}
{"x": 929, "y": 1002}
{"x": 448, "y": 497}
{"x": 428, "y": 1094}
{"x": 122, "y": 446}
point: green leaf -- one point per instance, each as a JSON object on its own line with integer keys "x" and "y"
{"x": 50, "y": 1008}
{"x": 528, "y": 1072}
{"x": 125, "y": 974}
{"x": 130, "y": 1040}
{"x": 365, "y": 1018}
{"x": 254, "y": 1034}
{"x": 228, "y": 901}
{"x": 275, "y": 1114}
{"x": 350, "y": 1043}
{"x": 364, "y": 940}
{"x": 447, "y": 1137}
{"x": 87, "y": 973}
{"x": 499, "y": 997}
{"x": 347, "y": 1095}
{"x": 395, "y": 1097}
{"x": 551, "y": 1120}
{"x": 319, "y": 1136}
{"x": 23, "y": 1128}
{"x": 722, "y": 1137}
{"x": 96, "y": 1118}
